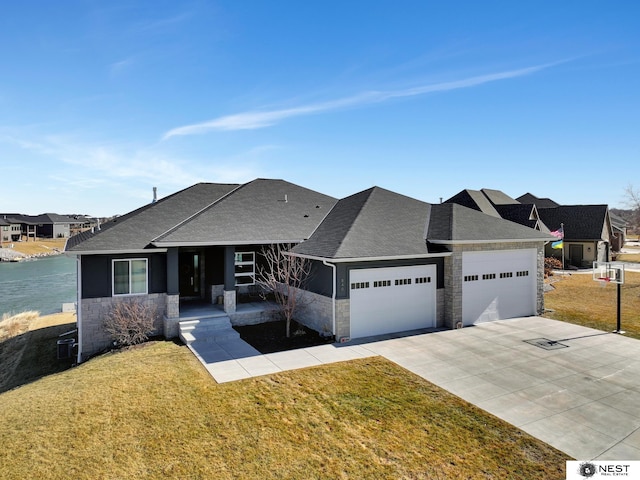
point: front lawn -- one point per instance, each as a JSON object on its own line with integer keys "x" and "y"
{"x": 578, "y": 299}
{"x": 154, "y": 412}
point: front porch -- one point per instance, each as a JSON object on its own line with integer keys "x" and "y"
{"x": 249, "y": 313}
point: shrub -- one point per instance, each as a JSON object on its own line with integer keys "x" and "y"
{"x": 551, "y": 264}
{"x": 130, "y": 322}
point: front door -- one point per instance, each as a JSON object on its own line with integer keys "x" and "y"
{"x": 576, "y": 255}
{"x": 189, "y": 274}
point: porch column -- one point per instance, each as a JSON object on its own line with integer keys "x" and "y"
{"x": 172, "y": 315}
{"x": 173, "y": 276}
{"x": 229, "y": 279}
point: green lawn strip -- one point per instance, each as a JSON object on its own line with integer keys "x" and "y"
{"x": 155, "y": 412}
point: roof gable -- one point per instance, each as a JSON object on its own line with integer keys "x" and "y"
{"x": 451, "y": 223}
{"x": 476, "y": 200}
{"x": 580, "y": 222}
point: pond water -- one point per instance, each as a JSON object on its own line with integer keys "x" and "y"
{"x": 42, "y": 284}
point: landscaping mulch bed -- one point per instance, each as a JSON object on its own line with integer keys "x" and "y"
{"x": 271, "y": 337}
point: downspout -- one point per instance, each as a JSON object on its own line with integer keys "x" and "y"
{"x": 79, "y": 306}
{"x": 333, "y": 294}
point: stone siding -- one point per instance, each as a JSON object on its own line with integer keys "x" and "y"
{"x": 172, "y": 316}
{"x": 262, "y": 315}
{"x": 440, "y": 308}
{"x": 316, "y": 312}
{"x": 343, "y": 320}
{"x": 95, "y": 310}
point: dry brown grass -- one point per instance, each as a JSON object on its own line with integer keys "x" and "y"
{"x": 154, "y": 412}
{"x": 13, "y": 342}
{"x": 629, "y": 257}
{"x": 39, "y": 247}
{"x": 27, "y": 342}
{"x": 580, "y": 300}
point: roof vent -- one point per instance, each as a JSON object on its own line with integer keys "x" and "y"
{"x": 155, "y": 194}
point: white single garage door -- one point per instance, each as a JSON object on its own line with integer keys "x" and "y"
{"x": 392, "y": 299}
{"x": 498, "y": 284}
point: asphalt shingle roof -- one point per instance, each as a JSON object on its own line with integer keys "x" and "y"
{"x": 476, "y": 200}
{"x": 498, "y": 197}
{"x": 372, "y": 223}
{"x": 261, "y": 211}
{"x": 539, "y": 202}
{"x": 581, "y": 222}
{"x": 377, "y": 223}
{"x": 518, "y": 213}
{"x": 135, "y": 230}
{"x": 450, "y": 222}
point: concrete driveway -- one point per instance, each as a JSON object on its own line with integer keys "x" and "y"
{"x": 580, "y": 395}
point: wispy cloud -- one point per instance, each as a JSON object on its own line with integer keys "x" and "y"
{"x": 260, "y": 119}
{"x": 118, "y": 67}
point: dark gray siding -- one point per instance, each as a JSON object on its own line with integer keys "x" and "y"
{"x": 343, "y": 272}
{"x": 97, "y": 272}
{"x": 322, "y": 276}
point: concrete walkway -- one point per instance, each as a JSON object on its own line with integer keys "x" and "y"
{"x": 581, "y": 396}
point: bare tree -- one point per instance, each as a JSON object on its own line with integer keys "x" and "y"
{"x": 285, "y": 276}
{"x": 632, "y": 201}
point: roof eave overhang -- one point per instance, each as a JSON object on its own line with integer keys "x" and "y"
{"x": 503, "y": 240}
{"x": 219, "y": 243}
{"x": 116, "y": 252}
{"x": 370, "y": 259}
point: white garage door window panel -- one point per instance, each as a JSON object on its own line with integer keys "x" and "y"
{"x": 498, "y": 298}
{"x": 393, "y": 308}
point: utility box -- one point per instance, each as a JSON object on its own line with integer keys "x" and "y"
{"x": 65, "y": 348}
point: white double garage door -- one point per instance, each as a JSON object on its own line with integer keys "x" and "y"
{"x": 496, "y": 285}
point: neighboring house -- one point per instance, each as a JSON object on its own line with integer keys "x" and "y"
{"x": 498, "y": 204}
{"x": 382, "y": 262}
{"x": 540, "y": 202}
{"x": 51, "y": 225}
{"x": 588, "y": 233}
{"x": 46, "y": 225}
{"x": 619, "y": 226}
{"x": 588, "y": 230}
{"x": 10, "y": 229}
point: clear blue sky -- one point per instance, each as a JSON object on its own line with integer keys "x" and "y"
{"x": 102, "y": 100}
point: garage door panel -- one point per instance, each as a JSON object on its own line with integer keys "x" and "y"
{"x": 498, "y": 285}
{"x": 385, "y": 300}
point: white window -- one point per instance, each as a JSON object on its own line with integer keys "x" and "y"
{"x": 245, "y": 268}
{"x": 130, "y": 276}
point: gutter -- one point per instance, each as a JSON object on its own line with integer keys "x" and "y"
{"x": 218, "y": 243}
{"x": 333, "y": 294}
{"x": 372, "y": 259}
{"x": 142, "y": 251}
{"x": 79, "y": 306}
{"x": 513, "y": 240}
